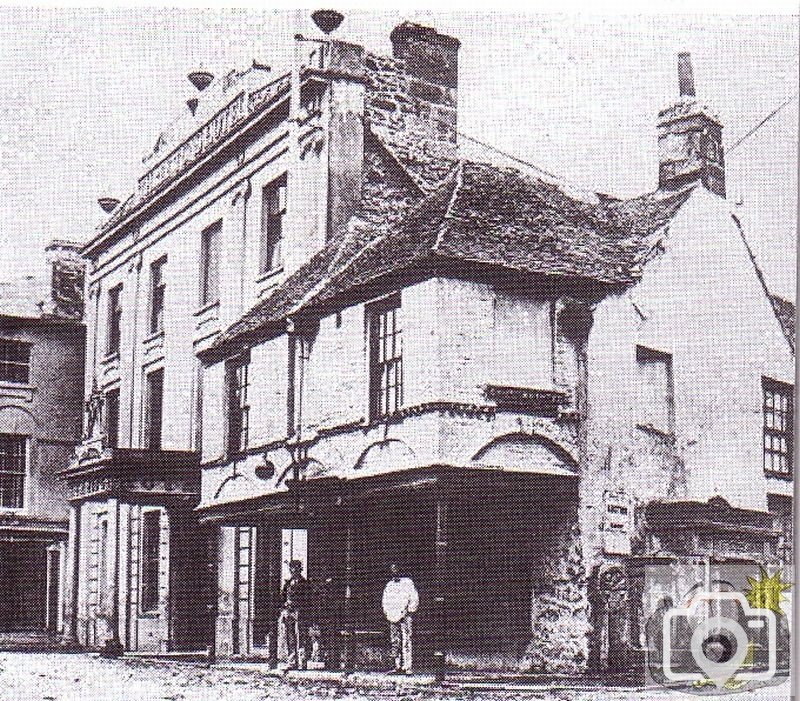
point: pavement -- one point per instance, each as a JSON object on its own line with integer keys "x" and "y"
{"x": 48, "y": 676}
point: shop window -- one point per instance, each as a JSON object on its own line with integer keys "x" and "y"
{"x": 151, "y": 557}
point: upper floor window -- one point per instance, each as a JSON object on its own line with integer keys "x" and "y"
{"x": 15, "y": 361}
{"x": 273, "y": 209}
{"x": 385, "y": 357}
{"x": 154, "y": 411}
{"x": 114, "y": 319}
{"x": 778, "y": 427}
{"x": 13, "y": 463}
{"x": 237, "y": 371}
{"x": 210, "y": 246}
{"x": 112, "y": 417}
{"x": 157, "y": 288}
{"x": 656, "y": 392}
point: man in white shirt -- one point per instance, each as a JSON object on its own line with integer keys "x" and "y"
{"x": 400, "y": 601}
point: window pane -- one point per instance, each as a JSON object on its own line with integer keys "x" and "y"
{"x": 386, "y": 381}
{"x": 15, "y": 361}
{"x": 209, "y": 263}
{"x": 778, "y": 410}
{"x": 155, "y": 406}
{"x": 12, "y": 471}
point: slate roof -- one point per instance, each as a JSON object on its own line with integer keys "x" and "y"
{"x": 785, "y": 311}
{"x": 482, "y": 215}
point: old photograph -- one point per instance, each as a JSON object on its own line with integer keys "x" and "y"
{"x": 385, "y": 354}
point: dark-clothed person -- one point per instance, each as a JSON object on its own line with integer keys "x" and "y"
{"x": 296, "y": 597}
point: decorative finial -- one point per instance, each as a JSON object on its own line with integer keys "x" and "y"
{"x": 200, "y": 79}
{"x": 327, "y": 20}
{"x": 192, "y": 103}
{"x": 108, "y": 204}
{"x": 685, "y": 74}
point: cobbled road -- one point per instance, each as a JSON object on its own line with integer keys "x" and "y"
{"x": 82, "y": 677}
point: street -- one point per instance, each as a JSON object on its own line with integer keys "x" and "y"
{"x": 83, "y": 677}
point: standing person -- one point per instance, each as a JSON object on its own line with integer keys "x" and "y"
{"x": 296, "y": 596}
{"x": 400, "y": 602}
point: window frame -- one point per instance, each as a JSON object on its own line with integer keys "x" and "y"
{"x": 210, "y": 260}
{"x": 11, "y": 364}
{"x": 784, "y": 414}
{"x": 114, "y": 321}
{"x": 273, "y": 197}
{"x": 149, "y": 423}
{"x": 23, "y": 441}
{"x": 385, "y": 397}
{"x": 237, "y": 386}
{"x": 158, "y": 287}
{"x": 112, "y": 431}
{"x": 645, "y": 354}
{"x": 150, "y": 569}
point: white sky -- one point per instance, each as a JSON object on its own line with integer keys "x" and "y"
{"x": 85, "y": 92}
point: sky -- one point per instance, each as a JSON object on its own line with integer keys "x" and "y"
{"x": 84, "y": 93}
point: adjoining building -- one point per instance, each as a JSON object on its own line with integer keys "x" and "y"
{"x": 42, "y": 351}
{"x": 317, "y": 333}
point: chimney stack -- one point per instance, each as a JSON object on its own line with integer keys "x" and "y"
{"x": 690, "y": 139}
{"x": 67, "y": 268}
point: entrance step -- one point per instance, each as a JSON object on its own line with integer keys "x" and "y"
{"x": 29, "y": 641}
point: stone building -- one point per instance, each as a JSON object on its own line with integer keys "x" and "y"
{"x": 317, "y": 333}
{"x": 41, "y": 394}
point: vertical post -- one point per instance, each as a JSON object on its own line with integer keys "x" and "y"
{"x": 349, "y": 636}
{"x": 113, "y": 646}
{"x": 439, "y": 613}
{"x": 212, "y": 583}
{"x": 71, "y": 627}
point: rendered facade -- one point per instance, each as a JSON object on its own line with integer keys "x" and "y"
{"x": 316, "y": 333}
{"x": 42, "y": 347}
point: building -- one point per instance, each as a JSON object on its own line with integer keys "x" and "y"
{"x": 316, "y": 333}
{"x": 41, "y": 395}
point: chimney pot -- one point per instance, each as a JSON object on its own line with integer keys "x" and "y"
{"x": 685, "y": 74}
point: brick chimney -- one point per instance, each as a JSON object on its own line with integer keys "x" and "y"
{"x": 690, "y": 139}
{"x": 67, "y": 274}
{"x": 411, "y": 103}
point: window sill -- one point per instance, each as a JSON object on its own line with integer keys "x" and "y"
{"x": 153, "y": 337}
{"x": 207, "y": 308}
{"x": 8, "y": 511}
{"x": 269, "y": 275}
{"x": 666, "y": 436}
{"x": 109, "y": 358}
{"x": 782, "y": 476}
{"x": 17, "y": 390}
